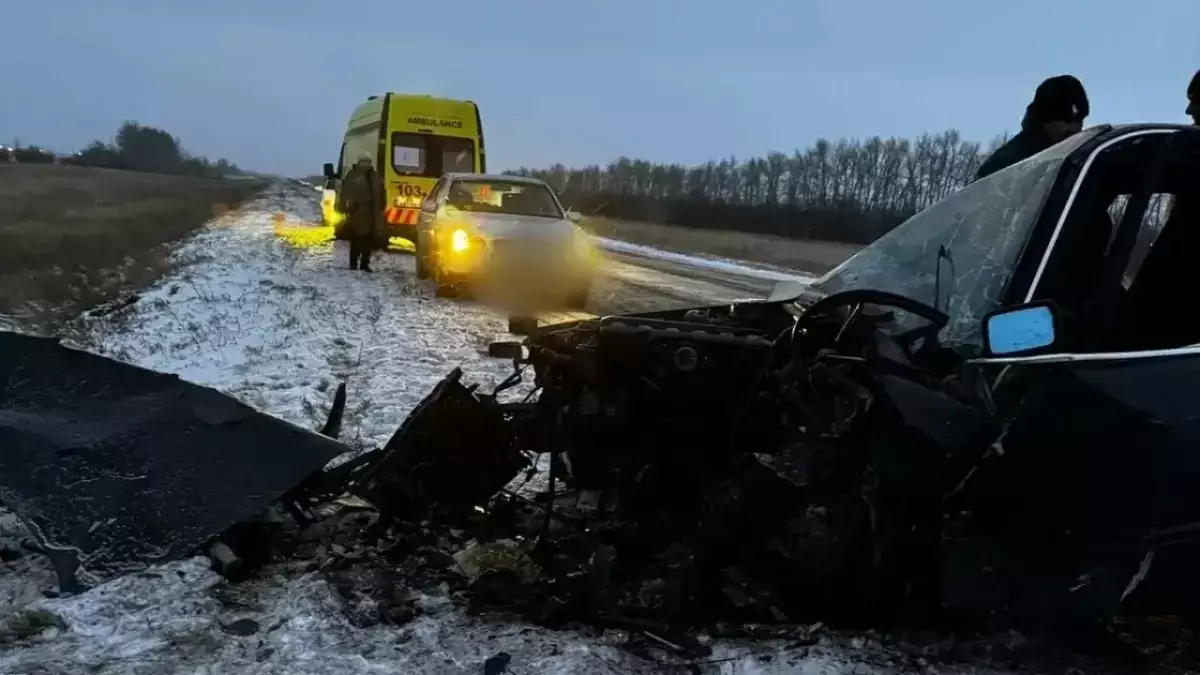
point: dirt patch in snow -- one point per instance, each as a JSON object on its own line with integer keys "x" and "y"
{"x": 77, "y": 237}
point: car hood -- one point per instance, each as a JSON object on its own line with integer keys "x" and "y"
{"x": 503, "y": 226}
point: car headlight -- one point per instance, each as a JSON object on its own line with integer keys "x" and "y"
{"x": 460, "y": 241}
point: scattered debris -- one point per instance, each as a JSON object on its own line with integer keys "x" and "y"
{"x": 242, "y": 627}
{"x": 502, "y": 554}
{"x": 497, "y": 664}
{"x": 113, "y": 467}
{"x": 28, "y": 624}
{"x": 745, "y": 471}
{"x": 737, "y": 465}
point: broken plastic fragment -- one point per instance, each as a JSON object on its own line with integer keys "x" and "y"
{"x": 501, "y": 554}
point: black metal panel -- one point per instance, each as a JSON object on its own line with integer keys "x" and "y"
{"x": 115, "y": 467}
{"x": 1101, "y": 460}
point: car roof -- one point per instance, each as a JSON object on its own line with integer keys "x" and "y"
{"x": 1110, "y": 131}
{"x": 495, "y": 177}
{"x": 1154, "y": 125}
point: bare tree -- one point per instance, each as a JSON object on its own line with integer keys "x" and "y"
{"x": 849, "y": 189}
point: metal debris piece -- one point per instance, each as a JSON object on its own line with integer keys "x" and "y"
{"x": 114, "y": 467}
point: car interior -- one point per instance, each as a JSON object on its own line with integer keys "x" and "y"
{"x": 1131, "y": 274}
{"x": 460, "y": 196}
{"x": 1154, "y": 313}
{"x": 1074, "y": 277}
{"x": 535, "y": 202}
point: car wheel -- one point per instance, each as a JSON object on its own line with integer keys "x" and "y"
{"x": 446, "y": 286}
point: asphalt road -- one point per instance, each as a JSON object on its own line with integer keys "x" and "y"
{"x": 633, "y": 283}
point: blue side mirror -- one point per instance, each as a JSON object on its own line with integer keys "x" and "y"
{"x": 1019, "y": 330}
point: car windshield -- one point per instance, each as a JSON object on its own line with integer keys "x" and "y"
{"x": 512, "y": 198}
{"x": 982, "y": 230}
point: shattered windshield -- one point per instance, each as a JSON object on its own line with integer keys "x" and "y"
{"x": 982, "y": 230}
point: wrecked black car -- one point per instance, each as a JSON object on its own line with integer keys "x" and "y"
{"x": 985, "y": 413}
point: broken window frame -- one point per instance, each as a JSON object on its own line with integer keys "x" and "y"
{"x": 1076, "y": 267}
{"x": 1036, "y": 285}
{"x": 1031, "y": 272}
{"x": 1184, "y": 150}
{"x": 1154, "y": 217}
{"x": 1143, "y": 270}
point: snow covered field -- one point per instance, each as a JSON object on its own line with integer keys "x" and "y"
{"x": 278, "y": 326}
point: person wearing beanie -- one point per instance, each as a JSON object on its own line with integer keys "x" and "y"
{"x": 1193, "y": 94}
{"x": 360, "y": 197}
{"x": 1059, "y": 106}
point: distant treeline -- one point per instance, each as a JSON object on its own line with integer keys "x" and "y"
{"x": 26, "y": 154}
{"x": 136, "y": 147}
{"x": 847, "y": 190}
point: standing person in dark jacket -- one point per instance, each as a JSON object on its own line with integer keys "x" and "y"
{"x": 1059, "y": 107}
{"x": 360, "y": 199}
{"x": 1193, "y": 92}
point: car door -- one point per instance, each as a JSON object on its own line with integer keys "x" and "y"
{"x": 1075, "y": 270}
{"x": 1096, "y": 477}
{"x": 330, "y": 189}
{"x": 1098, "y": 473}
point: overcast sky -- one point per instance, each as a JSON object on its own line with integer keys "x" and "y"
{"x": 270, "y": 84}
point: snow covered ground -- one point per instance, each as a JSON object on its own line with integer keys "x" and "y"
{"x": 737, "y": 267}
{"x": 278, "y": 326}
{"x": 278, "y": 321}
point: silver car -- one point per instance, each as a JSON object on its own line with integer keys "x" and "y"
{"x": 503, "y": 236}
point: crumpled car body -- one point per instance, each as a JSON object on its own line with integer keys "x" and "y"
{"x": 860, "y": 446}
{"x": 868, "y": 448}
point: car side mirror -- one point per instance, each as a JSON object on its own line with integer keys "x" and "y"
{"x": 1021, "y": 330}
{"x": 327, "y": 169}
{"x": 574, "y": 216}
{"x": 429, "y": 206}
